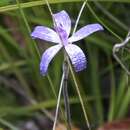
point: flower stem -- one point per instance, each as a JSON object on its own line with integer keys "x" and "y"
{"x": 65, "y": 93}
{"x": 66, "y": 66}
{"x": 62, "y": 85}
{"x": 58, "y": 102}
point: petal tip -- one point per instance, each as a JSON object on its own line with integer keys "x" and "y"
{"x": 42, "y": 70}
{"x": 33, "y": 35}
{"x": 77, "y": 57}
{"x": 100, "y": 26}
{"x": 42, "y": 73}
{"x": 34, "y": 32}
{"x": 47, "y": 57}
{"x": 81, "y": 66}
{"x": 60, "y": 12}
{"x": 45, "y": 33}
{"x": 63, "y": 20}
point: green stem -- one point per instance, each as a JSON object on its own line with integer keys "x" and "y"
{"x": 62, "y": 80}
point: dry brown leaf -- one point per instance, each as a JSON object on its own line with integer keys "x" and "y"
{"x": 116, "y": 125}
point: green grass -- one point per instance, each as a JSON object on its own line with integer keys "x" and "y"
{"x": 100, "y": 92}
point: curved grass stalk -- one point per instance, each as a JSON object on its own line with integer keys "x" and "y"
{"x": 79, "y": 94}
{"x": 40, "y": 2}
{"x": 79, "y": 15}
{"x": 74, "y": 78}
{"x": 113, "y": 101}
{"x": 29, "y": 30}
{"x": 125, "y": 104}
{"x": 27, "y": 26}
{"x": 35, "y": 47}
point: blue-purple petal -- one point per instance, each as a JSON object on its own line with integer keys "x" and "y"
{"x": 46, "y": 34}
{"x": 76, "y": 56}
{"x": 85, "y": 31}
{"x": 63, "y": 21}
{"x": 63, "y": 36}
{"x": 47, "y": 57}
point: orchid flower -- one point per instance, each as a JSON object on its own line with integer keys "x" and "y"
{"x": 60, "y": 35}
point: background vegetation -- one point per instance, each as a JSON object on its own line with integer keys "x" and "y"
{"x": 27, "y": 97}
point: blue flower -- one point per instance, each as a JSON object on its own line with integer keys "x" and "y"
{"x": 60, "y": 35}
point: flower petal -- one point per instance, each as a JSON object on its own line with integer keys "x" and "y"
{"x": 47, "y": 57}
{"x": 63, "y": 21}
{"x": 77, "y": 57}
{"x": 63, "y": 36}
{"x": 85, "y": 31}
{"x": 46, "y": 34}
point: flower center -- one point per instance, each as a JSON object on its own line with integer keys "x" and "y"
{"x": 63, "y": 35}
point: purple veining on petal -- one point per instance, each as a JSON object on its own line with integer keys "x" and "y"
{"x": 47, "y": 57}
{"x": 84, "y": 32}
{"x": 62, "y": 35}
{"x": 46, "y": 34}
{"x": 63, "y": 21}
{"x": 77, "y": 57}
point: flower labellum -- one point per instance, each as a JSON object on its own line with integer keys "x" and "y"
{"x": 61, "y": 36}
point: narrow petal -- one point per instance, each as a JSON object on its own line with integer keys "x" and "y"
{"x": 77, "y": 57}
{"x": 47, "y": 57}
{"x": 85, "y": 31}
{"x": 63, "y": 21}
{"x": 46, "y": 34}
